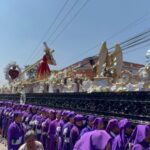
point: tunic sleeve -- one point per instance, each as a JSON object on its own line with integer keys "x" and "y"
{"x": 10, "y": 135}
{"x": 74, "y": 136}
{"x": 137, "y": 147}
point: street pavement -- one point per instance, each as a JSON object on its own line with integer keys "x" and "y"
{"x": 3, "y": 145}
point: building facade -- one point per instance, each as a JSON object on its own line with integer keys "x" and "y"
{"x": 86, "y": 67}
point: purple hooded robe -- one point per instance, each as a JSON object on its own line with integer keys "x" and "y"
{"x": 121, "y": 140}
{"x": 66, "y": 136}
{"x": 94, "y": 140}
{"x": 98, "y": 121}
{"x": 15, "y": 136}
{"x": 44, "y": 136}
{"x": 111, "y": 124}
{"x": 75, "y": 131}
{"x": 138, "y": 136}
{"x": 88, "y": 128}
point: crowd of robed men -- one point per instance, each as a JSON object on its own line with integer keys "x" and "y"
{"x": 67, "y": 130}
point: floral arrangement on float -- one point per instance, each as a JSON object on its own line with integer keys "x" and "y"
{"x": 54, "y": 79}
{"x": 121, "y": 89}
{"x": 12, "y": 72}
{"x": 31, "y": 74}
{"x": 105, "y": 89}
{"x": 94, "y": 88}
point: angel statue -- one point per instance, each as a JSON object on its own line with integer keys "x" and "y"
{"x": 109, "y": 64}
{"x": 43, "y": 71}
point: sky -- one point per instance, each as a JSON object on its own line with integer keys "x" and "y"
{"x": 24, "y": 26}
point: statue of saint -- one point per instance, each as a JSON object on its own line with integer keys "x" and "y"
{"x": 44, "y": 71}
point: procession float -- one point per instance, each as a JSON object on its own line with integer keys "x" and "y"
{"x": 110, "y": 76}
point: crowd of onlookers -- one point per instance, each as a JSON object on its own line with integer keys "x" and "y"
{"x": 31, "y": 127}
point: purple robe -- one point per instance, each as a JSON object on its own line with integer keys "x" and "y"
{"x": 94, "y": 140}
{"x": 52, "y": 135}
{"x": 44, "y": 136}
{"x": 138, "y": 136}
{"x": 59, "y": 132}
{"x": 59, "y": 127}
{"x": 88, "y": 128}
{"x": 120, "y": 142}
{"x": 27, "y": 121}
{"x": 112, "y": 124}
{"x": 85, "y": 130}
{"x": 98, "y": 121}
{"x": 76, "y": 130}
{"x": 66, "y": 136}
{"x": 137, "y": 147}
{"x": 75, "y": 135}
{"x": 1, "y": 117}
{"x": 38, "y": 126}
{"x": 5, "y": 122}
{"x": 15, "y": 136}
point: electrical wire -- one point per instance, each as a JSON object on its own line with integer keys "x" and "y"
{"x": 48, "y": 30}
{"x": 72, "y": 19}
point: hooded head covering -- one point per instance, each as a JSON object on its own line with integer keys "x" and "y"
{"x": 111, "y": 124}
{"x": 90, "y": 118}
{"x": 97, "y": 121}
{"x": 121, "y": 141}
{"x": 44, "y": 110}
{"x": 78, "y": 117}
{"x": 65, "y": 112}
{"x": 71, "y": 114}
{"x": 123, "y": 124}
{"x": 94, "y": 140}
{"x": 140, "y": 133}
{"x": 59, "y": 112}
{"x": 17, "y": 113}
{"x": 52, "y": 111}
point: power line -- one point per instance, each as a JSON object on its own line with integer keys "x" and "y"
{"x": 135, "y": 22}
{"x": 63, "y": 19}
{"x": 132, "y": 23}
{"x": 139, "y": 36}
{"x": 49, "y": 28}
{"x": 135, "y": 44}
{"x": 139, "y": 48}
{"x": 134, "y": 39}
{"x": 58, "y": 35}
{"x": 65, "y": 27}
{"x": 76, "y": 14}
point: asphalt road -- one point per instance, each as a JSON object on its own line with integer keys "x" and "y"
{"x": 2, "y": 147}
